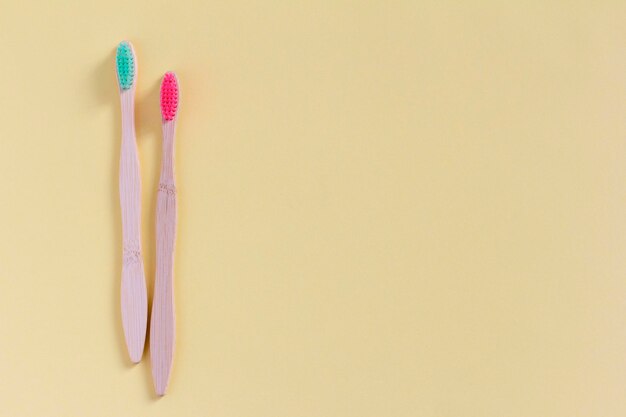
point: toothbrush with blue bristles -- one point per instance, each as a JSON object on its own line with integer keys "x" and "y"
{"x": 134, "y": 295}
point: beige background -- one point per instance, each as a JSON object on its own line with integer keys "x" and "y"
{"x": 387, "y": 208}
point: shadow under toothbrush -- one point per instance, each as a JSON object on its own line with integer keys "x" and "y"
{"x": 148, "y": 127}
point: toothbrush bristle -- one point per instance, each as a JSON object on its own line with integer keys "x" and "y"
{"x": 125, "y": 60}
{"x": 169, "y": 96}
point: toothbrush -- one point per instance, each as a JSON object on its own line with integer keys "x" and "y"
{"x": 162, "y": 328}
{"x": 134, "y": 295}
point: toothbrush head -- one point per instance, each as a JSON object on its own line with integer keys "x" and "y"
{"x": 126, "y": 65}
{"x": 169, "y": 96}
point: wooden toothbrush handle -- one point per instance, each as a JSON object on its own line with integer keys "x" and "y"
{"x": 162, "y": 327}
{"x": 134, "y": 304}
{"x": 134, "y": 301}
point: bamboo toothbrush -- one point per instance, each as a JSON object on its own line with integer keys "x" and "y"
{"x": 134, "y": 295}
{"x": 162, "y": 327}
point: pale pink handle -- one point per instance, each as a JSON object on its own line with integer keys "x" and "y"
{"x": 134, "y": 295}
{"x": 162, "y": 327}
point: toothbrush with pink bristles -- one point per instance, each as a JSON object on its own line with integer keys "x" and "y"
{"x": 134, "y": 296}
{"x": 162, "y": 327}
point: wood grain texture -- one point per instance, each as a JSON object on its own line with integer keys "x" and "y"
{"x": 134, "y": 301}
{"x": 162, "y": 329}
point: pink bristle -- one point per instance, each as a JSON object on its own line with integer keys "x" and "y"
{"x": 169, "y": 96}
